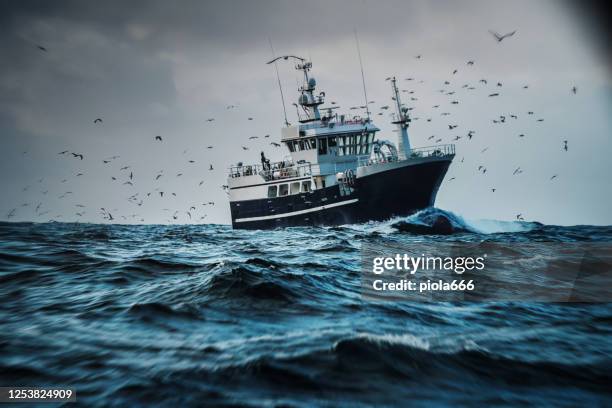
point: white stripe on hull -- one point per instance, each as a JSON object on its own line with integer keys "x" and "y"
{"x": 290, "y": 214}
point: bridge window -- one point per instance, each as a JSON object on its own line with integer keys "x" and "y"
{"x": 323, "y": 146}
{"x": 283, "y": 190}
{"x": 295, "y": 188}
{"x": 272, "y": 190}
{"x": 305, "y": 186}
{"x": 331, "y": 141}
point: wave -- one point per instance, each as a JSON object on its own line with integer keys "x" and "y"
{"x": 435, "y": 221}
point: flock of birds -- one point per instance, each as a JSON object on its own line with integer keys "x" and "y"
{"x": 126, "y": 175}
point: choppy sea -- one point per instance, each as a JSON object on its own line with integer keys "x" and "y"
{"x": 159, "y": 315}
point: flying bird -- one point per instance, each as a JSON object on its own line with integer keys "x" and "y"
{"x": 98, "y": 120}
{"x": 499, "y": 37}
{"x": 275, "y": 144}
{"x": 285, "y": 57}
{"x": 493, "y": 94}
{"x": 158, "y": 138}
{"x": 574, "y": 90}
{"x": 40, "y": 47}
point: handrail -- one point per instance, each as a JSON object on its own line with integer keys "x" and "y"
{"x": 417, "y": 153}
{"x": 278, "y": 170}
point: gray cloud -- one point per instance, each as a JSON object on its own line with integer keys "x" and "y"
{"x": 152, "y": 68}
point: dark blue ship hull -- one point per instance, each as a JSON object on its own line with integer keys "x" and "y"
{"x": 395, "y": 192}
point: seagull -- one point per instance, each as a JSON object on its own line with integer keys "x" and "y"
{"x": 250, "y": 118}
{"x": 553, "y": 177}
{"x": 484, "y": 81}
{"x": 470, "y": 134}
{"x": 285, "y": 57}
{"x": 455, "y": 71}
{"x": 520, "y": 217}
{"x": 517, "y": 171}
{"x": 451, "y": 127}
{"x": 493, "y": 94}
{"x": 574, "y": 90}
{"x": 245, "y": 148}
{"x": 77, "y": 155}
{"x": 158, "y": 138}
{"x": 210, "y": 119}
{"x": 275, "y": 144}
{"x": 499, "y": 84}
{"x": 64, "y": 152}
{"x": 209, "y": 147}
{"x": 565, "y": 145}
{"x": 98, "y": 120}
{"x": 500, "y": 38}
{"x": 470, "y": 63}
{"x": 253, "y": 137}
{"x": 40, "y": 47}
{"x": 211, "y": 167}
{"x": 493, "y": 190}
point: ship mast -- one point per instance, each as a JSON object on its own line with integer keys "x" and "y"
{"x": 403, "y": 147}
{"x": 309, "y": 102}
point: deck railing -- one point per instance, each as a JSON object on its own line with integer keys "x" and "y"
{"x": 417, "y": 153}
{"x": 274, "y": 171}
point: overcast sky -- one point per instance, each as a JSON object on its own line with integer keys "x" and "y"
{"x": 163, "y": 68}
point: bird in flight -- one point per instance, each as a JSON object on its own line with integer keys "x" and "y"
{"x": 158, "y": 138}
{"x": 574, "y": 90}
{"x": 565, "y": 145}
{"x": 470, "y": 62}
{"x": 275, "y": 144}
{"x": 493, "y": 94}
{"x": 285, "y": 57}
{"x": 210, "y": 119}
{"x": 245, "y": 148}
{"x": 553, "y": 177}
{"x": 98, "y": 120}
{"x": 40, "y": 47}
{"x": 499, "y": 37}
{"x": 80, "y": 156}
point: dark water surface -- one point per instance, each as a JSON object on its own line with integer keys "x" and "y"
{"x": 208, "y": 316}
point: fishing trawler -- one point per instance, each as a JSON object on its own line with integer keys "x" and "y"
{"x": 337, "y": 171}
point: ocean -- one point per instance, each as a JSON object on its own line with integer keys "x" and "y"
{"x": 158, "y": 315}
